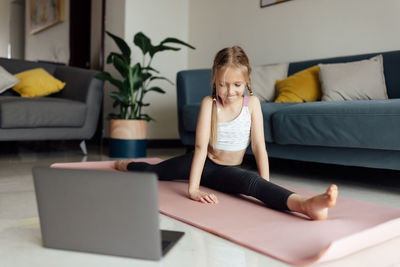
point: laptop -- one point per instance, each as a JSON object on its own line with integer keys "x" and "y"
{"x": 106, "y": 212}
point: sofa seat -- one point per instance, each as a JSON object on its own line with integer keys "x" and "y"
{"x": 269, "y": 108}
{"x": 18, "y": 112}
{"x": 372, "y": 124}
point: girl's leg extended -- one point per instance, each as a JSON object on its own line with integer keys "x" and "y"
{"x": 235, "y": 180}
{"x": 177, "y": 168}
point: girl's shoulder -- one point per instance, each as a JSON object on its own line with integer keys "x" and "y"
{"x": 253, "y": 101}
{"x": 207, "y": 100}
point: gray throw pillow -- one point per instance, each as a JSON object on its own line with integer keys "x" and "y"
{"x": 7, "y": 80}
{"x": 357, "y": 80}
{"x": 263, "y": 80}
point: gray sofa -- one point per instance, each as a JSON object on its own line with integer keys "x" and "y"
{"x": 356, "y": 133}
{"x": 71, "y": 114}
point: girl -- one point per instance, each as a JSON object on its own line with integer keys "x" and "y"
{"x": 228, "y": 121}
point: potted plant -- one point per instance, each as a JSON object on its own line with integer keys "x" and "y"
{"x": 128, "y": 128}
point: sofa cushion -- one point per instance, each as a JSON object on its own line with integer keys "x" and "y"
{"x": 17, "y": 112}
{"x": 371, "y": 124}
{"x": 302, "y": 86}
{"x": 263, "y": 80}
{"x": 7, "y": 80}
{"x": 268, "y": 109}
{"x": 357, "y": 80}
{"x": 37, "y": 82}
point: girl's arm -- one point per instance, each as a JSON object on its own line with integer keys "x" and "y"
{"x": 257, "y": 137}
{"x": 203, "y": 130}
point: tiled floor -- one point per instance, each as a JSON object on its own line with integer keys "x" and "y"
{"x": 20, "y": 241}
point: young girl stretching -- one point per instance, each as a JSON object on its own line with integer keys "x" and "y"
{"x": 228, "y": 121}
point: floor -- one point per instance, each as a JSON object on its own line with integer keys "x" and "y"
{"x": 20, "y": 240}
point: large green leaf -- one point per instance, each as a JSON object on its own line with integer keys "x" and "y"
{"x": 112, "y": 55}
{"x": 137, "y": 80}
{"x": 113, "y": 116}
{"x": 105, "y": 76}
{"x": 146, "y": 76}
{"x": 122, "y": 45}
{"x": 121, "y": 66}
{"x": 119, "y": 97}
{"x": 143, "y": 42}
{"x": 156, "y": 89}
{"x": 159, "y": 48}
{"x": 146, "y": 117}
{"x": 161, "y": 78}
{"x": 150, "y": 68}
{"x": 176, "y": 41}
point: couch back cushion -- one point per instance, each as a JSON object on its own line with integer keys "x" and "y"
{"x": 391, "y": 61}
{"x": 14, "y": 66}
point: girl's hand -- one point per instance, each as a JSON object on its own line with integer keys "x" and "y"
{"x": 121, "y": 165}
{"x": 203, "y": 197}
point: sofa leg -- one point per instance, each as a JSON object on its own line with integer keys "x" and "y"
{"x": 82, "y": 145}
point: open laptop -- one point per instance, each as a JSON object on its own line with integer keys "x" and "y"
{"x": 106, "y": 212}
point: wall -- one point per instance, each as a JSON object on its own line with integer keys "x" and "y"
{"x": 51, "y": 44}
{"x": 292, "y": 31}
{"x": 158, "y": 19}
{"x": 17, "y": 29}
{"x": 96, "y": 34}
{"x": 4, "y": 27}
{"x": 115, "y": 23}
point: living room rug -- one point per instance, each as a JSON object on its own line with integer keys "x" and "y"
{"x": 292, "y": 238}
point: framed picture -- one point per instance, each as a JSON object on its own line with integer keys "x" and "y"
{"x": 44, "y": 14}
{"x": 265, "y": 3}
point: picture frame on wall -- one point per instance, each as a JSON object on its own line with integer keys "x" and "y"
{"x": 265, "y": 3}
{"x": 45, "y": 14}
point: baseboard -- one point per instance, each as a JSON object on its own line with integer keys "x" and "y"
{"x": 157, "y": 143}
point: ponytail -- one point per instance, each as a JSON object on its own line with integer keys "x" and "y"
{"x": 214, "y": 118}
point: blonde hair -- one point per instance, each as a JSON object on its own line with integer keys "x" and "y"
{"x": 234, "y": 57}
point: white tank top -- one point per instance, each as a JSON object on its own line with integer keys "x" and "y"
{"x": 234, "y": 135}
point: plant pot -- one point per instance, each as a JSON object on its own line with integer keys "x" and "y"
{"x": 128, "y": 138}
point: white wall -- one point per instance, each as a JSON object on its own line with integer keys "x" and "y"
{"x": 292, "y": 31}
{"x": 51, "y": 44}
{"x": 158, "y": 19}
{"x": 4, "y": 27}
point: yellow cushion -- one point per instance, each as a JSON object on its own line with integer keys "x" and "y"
{"x": 37, "y": 82}
{"x": 303, "y": 86}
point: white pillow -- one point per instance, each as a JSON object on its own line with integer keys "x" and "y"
{"x": 7, "y": 80}
{"x": 357, "y": 80}
{"x": 263, "y": 80}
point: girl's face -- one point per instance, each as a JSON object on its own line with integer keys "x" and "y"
{"x": 230, "y": 84}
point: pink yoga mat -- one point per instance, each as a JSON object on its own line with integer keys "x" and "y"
{"x": 352, "y": 225}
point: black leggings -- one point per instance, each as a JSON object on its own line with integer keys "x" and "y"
{"x": 227, "y": 179}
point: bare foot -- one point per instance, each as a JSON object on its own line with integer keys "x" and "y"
{"x": 317, "y": 207}
{"x": 121, "y": 165}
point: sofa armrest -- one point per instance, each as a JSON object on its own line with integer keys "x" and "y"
{"x": 79, "y": 83}
{"x": 192, "y": 86}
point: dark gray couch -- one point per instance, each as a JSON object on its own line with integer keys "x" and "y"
{"x": 71, "y": 114}
{"x": 356, "y": 133}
